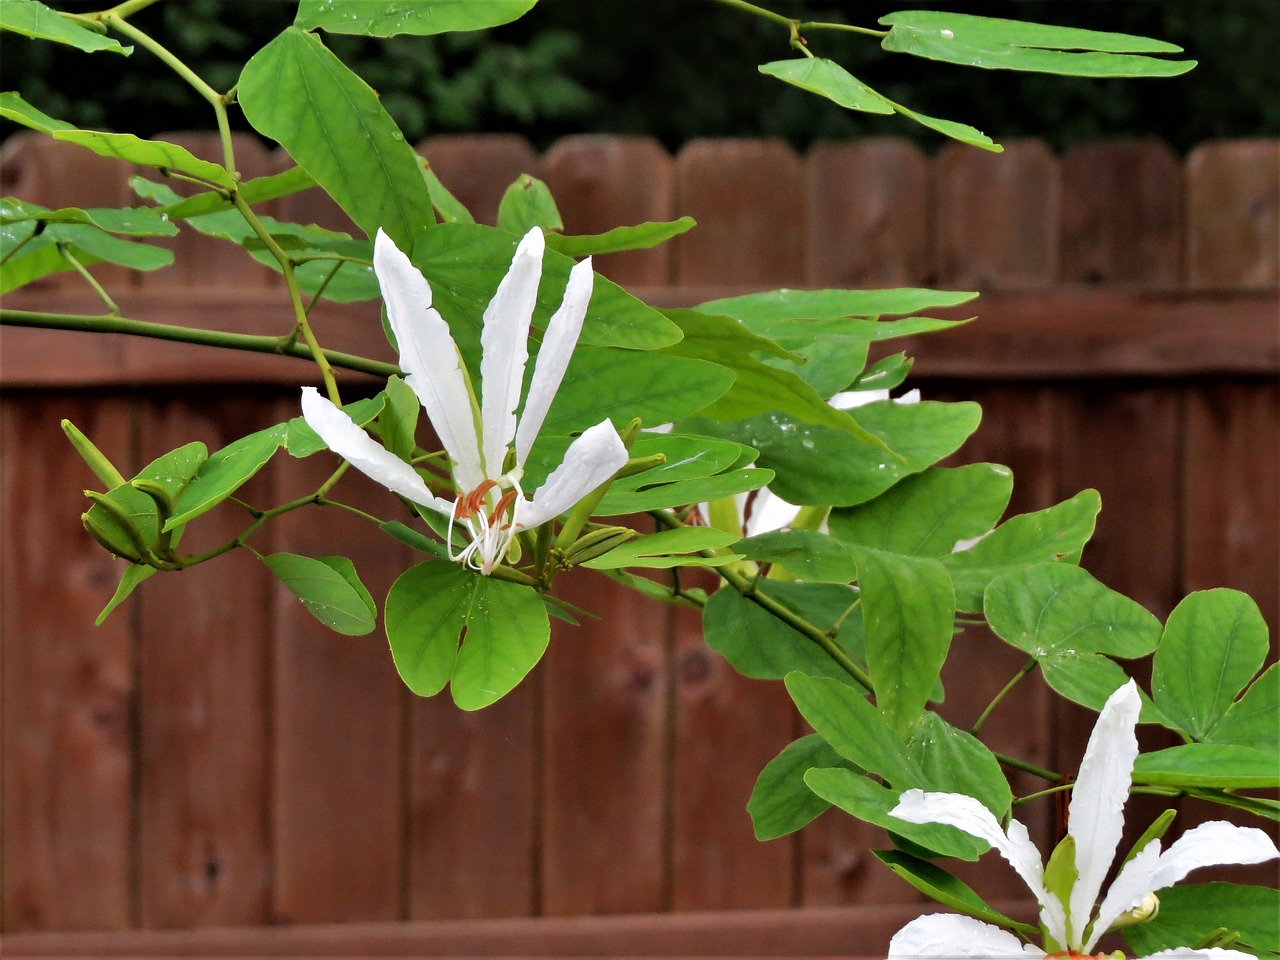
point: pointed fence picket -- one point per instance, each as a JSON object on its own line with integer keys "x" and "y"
{"x": 213, "y": 757}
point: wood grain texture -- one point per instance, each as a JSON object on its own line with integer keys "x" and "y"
{"x": 1233, "y": 214}
{"x": 68, "y": 687}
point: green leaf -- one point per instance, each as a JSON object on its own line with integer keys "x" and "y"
{"x": 133, "y": 575}
{"x": 850, "y": 330}
{"x": 130, "y": 221}
{"x": 1054, "y": 534}
{"x": 685, "y": 458}
{"x": 44, "y": 254}
{"x": 334, "y": 126}
{"x": 828, "y": 79}
{"x": 1016, "y": 45}
{"x": 1213, "y": 644}
{"x": 761, "y": 646}
{"x": 1191, "y": 912}
{"x": 927, "y": 514}
{"x": 885, "y": 374}
{"x": 465, "y": 262}
{"x": 35, "y": 20}
{"x": 526, "y": 204}
{"x": 425, "y": 612}
{"x": 781, "y": 802}
{"x": 642, "y": 236}
{"x": 934, "y": 882}
{"x": 1089, "y": 679}
{"x": 507, "y": 633}
{"x": 678, "y": 493}
{"x": 387, "y": 18}
{"x": 449, "y": 207}
{"x": 754, "y": 309}
{"x": 1208, "y": 765}
{"x": 953, "y": 129}
{"x": 122, "y": 146}
{"x": 301, "y": 441}
{"x": 224, "y": 473}
{"x": 952, "y": 761}
{"x": 806, "y": 554}
{"x": 398, "y": 420}
{"x": 412, "y": 538}
{"x": 257, "y": 190}
{"x": 842, "y": 715}
{"x": 330, "y": 590}
{"x": 907, "y": 616}
{"x": 173, "y": 471}
{"x": 1252, "y": 720}
{"x": 664, "y": 549}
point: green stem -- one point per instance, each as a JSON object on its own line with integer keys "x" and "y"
{"x": 751, "y": 8}
{"x": 1026, "y": 767}
{"x": 847, "y": 27}
{"x": 112, "y": 307}
{"x": 1027, "y": 668}
{"x": 208, "y": 338}
{"x": 1020, "y": 801}
{"x": 129, "y": 7}
{"x": 20, "y": 244}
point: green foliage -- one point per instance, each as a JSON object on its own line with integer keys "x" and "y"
{"x": 329, "y": 589}
{"x": 1191, "y": 913}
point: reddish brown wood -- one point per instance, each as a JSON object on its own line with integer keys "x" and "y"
{"x": 868, "y": 214}
{"x": 67, "y": 686}
{"x": 604, "y": 764}
{"x": 472, "y": 807}
{"x": 204, "y": 646}
{"x": 478, "y": 168}
{"x": 748, "y": 198}
{"x": 1233, "y": 213}
{"x": 726, "y": 729}
{"x": 1121, "y": 213}
{"x": 604, "y": 182}
{"x": 338, "y": 721}
{"x": 995, "y": 216}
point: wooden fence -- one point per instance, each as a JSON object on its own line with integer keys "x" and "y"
{"x": 212, "y": 757}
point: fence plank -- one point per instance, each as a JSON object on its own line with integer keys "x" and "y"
{"x": 748, "y": 199}
{"x": 203, "y": 750}
{"x": 868, "y": 214}
{"x": 1122, "y": 213}
{"x": 604, "y": 753}
{"x": 603, "y": 182}
{"x": 996, "y": 216}
{"x": 1233, "y": 214}
{"x": 338, "y": 722}
{"x": 67, "y": 686}
{"x": 478, "y": 168}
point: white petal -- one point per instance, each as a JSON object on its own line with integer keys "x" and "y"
{"x": 1096, "y": 816}
{"x": 946, "y": 936}
{"x": 848, "y": 399}
{"x": 590, "y": 460}
{"x": 553, "y": 356}
{"x": 430, "y": 357}
{"x": 1131, "y": 884}
{"x": 769, "y": 512}
{"x": 364, "y": 453}
{"x": 969, "y": 815}
{"x": 1210, "y": 953}
{"x": 1214, "y": 843}
{"x": 505, "y": 349}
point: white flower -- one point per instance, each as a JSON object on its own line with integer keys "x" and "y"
{"x": 478, "y": 437}
{"x": 1095, "y": 822}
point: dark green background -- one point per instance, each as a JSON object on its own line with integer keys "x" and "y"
{"x": 676, "y": 69}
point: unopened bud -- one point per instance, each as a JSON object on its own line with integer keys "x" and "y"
{"x": 1144, "y": 911}
{"x": 597, "y": 543}
{"x": 102, "y": 468}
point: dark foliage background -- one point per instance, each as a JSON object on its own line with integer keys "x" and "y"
{"x": 676, "y": 69}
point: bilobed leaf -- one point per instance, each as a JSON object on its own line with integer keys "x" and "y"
{"x": 507, "y": 633}
{"x": 781, "y": 802}
{"x": 946, "y": 889}
{"x": 1252, "y": 720}
{"x": 1213, "y": 644}
{"x": 526, "y": 204}
{"x": 907, "y": 615}
{"x": 1190, "y": 912}
{"x": 122, "y": 146}
{"x": 334, "y": 126}
{"x": 755, "y": 308}
{"x": 224, "y": 473}
{"x": 953, "y": 129}
{"x": 35, "y": 20}
{"x": 388, "y": 18}
{"x": 828, "y": 79}
{"x": 997, "y": 44}
{"x": 926, "y": 514}
{"x": 1089, "y": 679}
{"x": 642, "y": 236}
{"x": 1208, "y": 765}
{"x": 329, "y": 588}
{"x": 425, "y": 612}
{"x": 664, "y": 549}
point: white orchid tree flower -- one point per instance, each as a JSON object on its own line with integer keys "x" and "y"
{"x": 1071, "y": 927}
{"x": 485, "y": 440}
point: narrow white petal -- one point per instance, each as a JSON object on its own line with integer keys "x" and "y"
{"x": 943, "y": 936}
{"x": 1208, "y": 953}
{"x": 590, "y": 460}
{"x": 430, "y": 357}
{"x": 364, "y": 453}
{"x": 505, "y": 349}
{"x": 553, "y": 356}
{"x": 1131, "y": 884}
{"x": 967, "y": 814}
{"x": 848, "y": 399}
{"x": 769, "y": 512}
{"x": 1211, "y": 844}
{"x": 1096, "y": 817}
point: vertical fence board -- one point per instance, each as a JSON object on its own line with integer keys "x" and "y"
{"x": 472, "y": 830}
{"x": 1233, "y": 213}
{"x": 203, "y": 649}
{"x": 338, "y": 724}
{"x": 868, "y": 214}
{"x": 995, "y": 216}
{"x": 1122, "y": 213}
{"x": 748, "y": 199}
{"x": 478, "y": 168}
{"x": 604, "y": 753}
{"x": 67, "y": 686}
{"x": 604, "y": 182}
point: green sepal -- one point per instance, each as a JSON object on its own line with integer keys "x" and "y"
{"x": 1060, "y": 875}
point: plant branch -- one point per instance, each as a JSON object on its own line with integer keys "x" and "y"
{"x": 112, "y": 308}
{"x": 1026, "y": 669}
